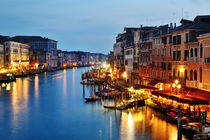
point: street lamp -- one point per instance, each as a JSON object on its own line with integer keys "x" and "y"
{"x": 125, "y": 76}
{"x": 176, "y": 86}
{"x": 36, "y": 65}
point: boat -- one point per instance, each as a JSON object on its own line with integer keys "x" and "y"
{"x": 20, "y": 75}
{"x": 195, "y": 128}
{"x": 113, "y": 106}
{"x": 7, "y": 77}
{"x": 93, "y": 98}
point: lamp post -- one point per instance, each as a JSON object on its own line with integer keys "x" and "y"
{"x": 36, "y": 65}
{"x": 125, "y": 76}
{"x": 176, "y": 86}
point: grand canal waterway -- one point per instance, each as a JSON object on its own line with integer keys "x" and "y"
{"x": 51, "y": 106}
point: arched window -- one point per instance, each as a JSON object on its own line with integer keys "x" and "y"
{"x": 196, "y": 52}
{"x": 195, "y": 75}
{"x": 191, "y": 74}
{"x": 191, "y": 52}
{"x": 201, "y": 50}
{"x": 201, "y": 75}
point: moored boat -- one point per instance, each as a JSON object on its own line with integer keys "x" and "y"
{"x": 93, "y": 98}
{"x": 195, "y": 128}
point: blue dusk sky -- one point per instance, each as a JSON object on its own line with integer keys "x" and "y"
{"x": 91, "y": 25}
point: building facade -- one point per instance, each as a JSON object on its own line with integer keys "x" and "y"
{"x": 1, "y": 55}
{"x": 16, "y": 55}
{"x": 166, "y": 53}
{"x": 41, "y": 44}
{"x": 199, "y": 63}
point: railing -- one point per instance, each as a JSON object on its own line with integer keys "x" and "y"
{"x": 148, "y": 39}
{"x": 181, "y": 79}
{"x": 207, "y": 60}
{"x": 190, "y": 83}
{"x": 192, "y": 59}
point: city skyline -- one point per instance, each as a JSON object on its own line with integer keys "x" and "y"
{"x": 90, "y": 25}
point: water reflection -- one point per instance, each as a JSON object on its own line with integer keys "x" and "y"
{"x": 52, "y": 105}
{"x": 36, "y": 86}
{"x": 19, "y": 100}
{"x": 64, "y": 82}
{"x": 145, "y": 123}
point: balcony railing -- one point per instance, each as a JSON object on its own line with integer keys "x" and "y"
{"x": 192, "y": 59}
{"x": 191, "y": 83}
{"x": 207, "y": 60}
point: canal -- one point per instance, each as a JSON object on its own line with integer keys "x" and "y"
{"x": 51, "y": 106}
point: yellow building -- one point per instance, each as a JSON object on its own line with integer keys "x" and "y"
{"x": 16, "y": 55}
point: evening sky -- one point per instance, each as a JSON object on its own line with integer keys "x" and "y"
{"x": 91, "y": 25}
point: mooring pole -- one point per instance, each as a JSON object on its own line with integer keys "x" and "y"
{"x": 179, "y": 123}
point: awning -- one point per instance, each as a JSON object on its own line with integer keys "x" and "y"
{"x": 183, "y": 99}
{"x": 143, "y": 87}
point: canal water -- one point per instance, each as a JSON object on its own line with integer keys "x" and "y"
{"x": 51, "y": 106}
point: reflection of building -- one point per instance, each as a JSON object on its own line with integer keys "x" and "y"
{"x": 41, "y": 44}
{"x": 16, "y": 54}
{"x": 1, "y": 55}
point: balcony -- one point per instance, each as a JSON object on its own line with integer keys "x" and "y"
{"x": 207, "y": 60}
{"x": 144, "y": 50}
{"x": 190, "y": 83}
{"x": 192, "y": 59}
{"x": 148, "y": 39}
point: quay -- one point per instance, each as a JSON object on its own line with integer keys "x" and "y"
{"x": 10, "y": 75}
{"x": 120, "y": 95}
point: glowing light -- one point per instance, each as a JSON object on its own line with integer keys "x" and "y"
{"x": 176, "y": 81}
{"x": 125, "y": 75}
{"x": 36, "y": 65}
{"x": 181, "y": 69}
{"x": 179, "y": 86}
{"x": 3, "y": 85}
{"x": 173, "y": 85}
{"x": 104, "y": 65}
{"x": 110, "y": 70}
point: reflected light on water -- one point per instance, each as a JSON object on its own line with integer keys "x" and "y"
{"x": 19, "y": 100}
{"x": 145, "y": 125}
{"x": 127, "y": 126}
{"x": 36, "y": 86}
{"x": 64, "y": 82}
{"x": 8, "y": 87}
{"x": 73, "y": 82}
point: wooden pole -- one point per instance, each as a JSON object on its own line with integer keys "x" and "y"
{"x": 179, "y": 123}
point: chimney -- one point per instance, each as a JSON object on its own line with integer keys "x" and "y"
{"x": 171, "y": 25}
{"x": 174, "y": 25}
{"x": 141, "y": 25}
